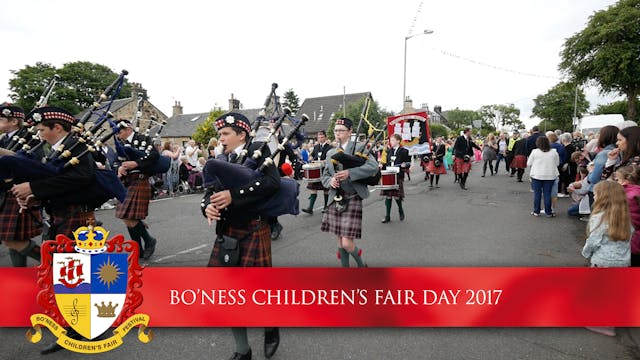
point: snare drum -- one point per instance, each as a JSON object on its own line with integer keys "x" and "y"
{"x": 389, "y": 179}
{"x": 312, "y": 172}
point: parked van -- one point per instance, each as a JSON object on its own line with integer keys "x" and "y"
{"x": 593, "y": 123}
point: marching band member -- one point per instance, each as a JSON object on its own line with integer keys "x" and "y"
{"x": 436, "y": 166}
{"x": 134, "y": 175}
{"x": 236, "y": 216}
{"x": 397, "y": 156}
{"x": 463, "y": 152}
{"x": 319, "y": 152}
{"x": 346, "y": 224}
{"x": 53, "y": 125}
{"x": 18, "y": 227}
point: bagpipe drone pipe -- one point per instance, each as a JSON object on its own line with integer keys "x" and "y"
{"x": 25, "y": 165}
{"x": 223, "y": 175}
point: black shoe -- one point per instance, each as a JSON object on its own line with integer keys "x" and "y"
{"x": 401, "y": 216}
{"x": 271, "y": 342}
{"x": 276, "y": 229}
{"x": 324, "y": 209}
{"x": 482, "y": 175}
{"x": 149, "y": 248}
{"x": 53, "y": 347}
{"x": 431, "y": 185}
{"x": 519, "y": 180}
{"x": 386, "y": 220}
{"x": 238, "y": 356}
{"x": 308, "y": 211}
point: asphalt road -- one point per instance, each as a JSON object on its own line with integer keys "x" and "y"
{"x": 488, "y": 225}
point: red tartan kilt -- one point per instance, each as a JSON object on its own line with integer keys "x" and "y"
{"x": 316, "y": 186}
{"x": 432, "y": 169}
{"x": 16, "y": 225}
{"x": 255, "y": 250}
{"x": 396, "y": 193}
{"x": 136, "y": 204}
{"x": 519, "y": 162}
{"x": 66, "y": 226}
{"x": 460, "y": 166}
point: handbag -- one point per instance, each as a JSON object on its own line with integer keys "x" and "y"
{"x": 229, "y": 250}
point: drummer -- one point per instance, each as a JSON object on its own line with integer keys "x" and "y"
{"x": 396, "y": 156}
{"x": 318, "y": 154}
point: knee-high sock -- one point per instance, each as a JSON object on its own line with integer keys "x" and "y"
{"x": 344, "y": 257}
{"x": 17, "y": 259}
{"x": 520, "y": 173}
{"x": 134, "y": 232}
{"x": 437, "y": 179}
{"x": 32, "y": 250}
{"x": 387, "y": 204}
{"x": 463, "y": 180}
{"x": 431, "y": 179}
{"x": 144, "y": 234}
{"x": 241, "y": 339}
{"x": 326, "y": 199}
{"x": 400, "y": 209}
{"x": 357, "y": 257}
{"x": 312, "y": 200}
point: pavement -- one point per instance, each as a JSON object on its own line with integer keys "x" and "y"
{"x": 488, "y": 225}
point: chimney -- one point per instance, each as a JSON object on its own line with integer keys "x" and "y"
{"x": 234, "y": 104}
{"x": 177, "y": 108}
{"x": 408, "y": 105}
{"x": 137, "y": 88}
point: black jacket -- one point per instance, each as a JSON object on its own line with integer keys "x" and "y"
{"x": 319, "y": 152}
{"x": 464, "y": 146}
{"x": 246, "y": 197}
{"x": 399, "y": 157}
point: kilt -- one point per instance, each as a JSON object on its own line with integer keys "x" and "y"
{"x": 519, "y": 162}
{"x": 68, "y": 219}
{"x": 136, "y": 204}
{"x": 316, "y": 186}
{"x": 432, "y": 169}
{"x": 347, "y": 224}
{"x": 16, "y": 225}
{"x": 255, "y": 250}
{"x": 397, "y": 193}
{"x": 461, "y": 167}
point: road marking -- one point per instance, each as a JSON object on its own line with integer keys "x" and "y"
{"x": 181, "y": 253}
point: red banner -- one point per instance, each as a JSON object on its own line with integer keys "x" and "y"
{"x": 374, "y": 297}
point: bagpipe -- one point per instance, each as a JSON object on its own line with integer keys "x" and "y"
{"x": 24, "y": 165}
{"x": 359, "y": 158}
{"x": 222, "y": 175}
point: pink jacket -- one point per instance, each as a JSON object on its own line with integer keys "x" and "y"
{"x": 633, "y": 197}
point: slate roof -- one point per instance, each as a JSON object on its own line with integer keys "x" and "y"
{"x": 321, "y": 109}
{"x": 117, "y": 105}
{"x": 185, "y": 125}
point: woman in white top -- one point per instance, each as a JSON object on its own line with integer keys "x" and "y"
{"x": 544, "y": 169}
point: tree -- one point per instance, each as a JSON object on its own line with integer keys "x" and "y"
{"x": 556, "y": 107}
{"x": 29, "y": 83}
{"x": 80, "y": 83}
{"x": 376, "y": 116}
{"x": 439, "y": 130}
{"x": 206, "y": 130}
{"x": 495, "y": 117}
{"x": 607, "y": 52}
{"x": 291, "y": 100}
{"x": 458, "y": 119}
{"x": 616, "y": 107}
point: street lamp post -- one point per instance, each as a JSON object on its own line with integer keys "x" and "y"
{"x": 404, "y": 87}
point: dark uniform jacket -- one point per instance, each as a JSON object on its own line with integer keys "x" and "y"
{"x": 53, "y": 191}
{"x": 397, "y": 157}
{"x": 464, "y": 146}
{"x": 319, "y": 152}
{"x": 145, "y": 160}
{"x": 246, "y": 198}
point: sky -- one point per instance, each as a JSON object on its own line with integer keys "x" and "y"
{"x": 200, "y": 52}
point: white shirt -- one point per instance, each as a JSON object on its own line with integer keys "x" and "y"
{"x": 544, "y": 165}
